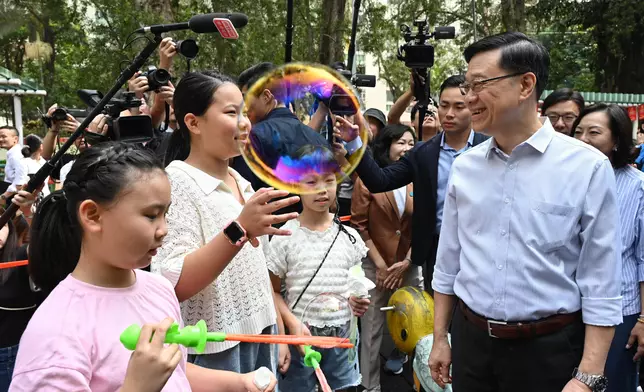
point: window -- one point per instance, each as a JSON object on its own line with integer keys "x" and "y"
{"x": 390, "y": 96}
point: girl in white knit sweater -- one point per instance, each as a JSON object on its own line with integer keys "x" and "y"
{"x": 216, "y": 276}
{"x": 318, "y": 240}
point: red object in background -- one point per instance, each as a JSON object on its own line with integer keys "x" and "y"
{"x": 632, "y": 113}
{"x": 641, "y": 114}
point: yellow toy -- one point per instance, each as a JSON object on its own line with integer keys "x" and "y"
{"x": 410, "y": 317}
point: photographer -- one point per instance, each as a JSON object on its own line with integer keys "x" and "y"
{"x": 160, "y": 97}
{"x": 431, "y": 124}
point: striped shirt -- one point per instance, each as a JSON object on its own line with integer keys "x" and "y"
{"x": 630, "y": 198}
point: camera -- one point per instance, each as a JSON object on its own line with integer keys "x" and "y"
{"x": 359, "y": 80}
{"x": 60, "y": 114}
{"x": 188, "y": 48}
{"x": 156, "y": 78}
{"x": 133, "y": 129}
{"x": 416, "y": 52}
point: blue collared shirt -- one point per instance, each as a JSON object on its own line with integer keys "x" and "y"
{"x": 630, "y": 199}
{"x": 532, "y": 234}
{"x": 446, "y": 157}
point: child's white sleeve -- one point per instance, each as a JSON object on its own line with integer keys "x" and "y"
{"x": 359, "y": 248}
{"x": 184, "y": 235}
{"x": 275, "y": 253}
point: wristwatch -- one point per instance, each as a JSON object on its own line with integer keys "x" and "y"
{"x": 596, "y": 382}
{"x": 235, "y": 234}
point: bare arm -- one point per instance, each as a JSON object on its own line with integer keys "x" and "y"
{"x": 399, "y": 107}
{"x": 210, "y": 380}
{"x": 319, "y": 117}
{"x": 443, "y": 308}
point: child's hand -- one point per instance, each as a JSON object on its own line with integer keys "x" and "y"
{"x": 284, "y": 358}
{"x": 151, "y": 363}
{"x": 359, "y": 305}
{"x": 257, "y": 216}
{"x": 248, "y": 381}
{"x": 299, "y": 329}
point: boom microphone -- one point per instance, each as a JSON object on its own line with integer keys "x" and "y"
{"x": 203, "y": 23}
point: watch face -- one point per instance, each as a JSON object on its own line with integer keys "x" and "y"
{"x": 234, "y": 232}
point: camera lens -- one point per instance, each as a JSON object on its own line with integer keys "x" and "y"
{"x": 161, "y": 76}
{"x": 59, "y": 114}
{"x": 188, "y": 48}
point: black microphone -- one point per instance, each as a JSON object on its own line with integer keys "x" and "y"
{"x": 199, "y": 23}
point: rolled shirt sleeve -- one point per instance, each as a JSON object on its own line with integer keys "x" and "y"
{"x": 449, "y": 248}
{"x": 599, "y": 273}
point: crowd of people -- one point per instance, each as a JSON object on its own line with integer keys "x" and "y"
{"x": 525, "y": 224}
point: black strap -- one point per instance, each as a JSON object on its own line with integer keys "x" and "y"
{"x": 318, "y": 269}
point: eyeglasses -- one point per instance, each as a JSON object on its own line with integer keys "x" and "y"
{"x": 567, "y": 118}
{"x": 477, "y": 85}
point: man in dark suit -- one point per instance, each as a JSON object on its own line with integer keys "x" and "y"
{"x": 428, "y": 165}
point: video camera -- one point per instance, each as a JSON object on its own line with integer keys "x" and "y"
{"x": 132, "y": 129}
{"x": 416, "y": 52}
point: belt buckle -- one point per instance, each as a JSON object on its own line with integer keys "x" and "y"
{"x": 489, "y": 327}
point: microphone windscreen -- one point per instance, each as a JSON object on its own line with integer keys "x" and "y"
{"x": 204, "y": 23}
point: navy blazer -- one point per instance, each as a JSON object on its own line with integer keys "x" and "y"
{"x": 420, "y": 166}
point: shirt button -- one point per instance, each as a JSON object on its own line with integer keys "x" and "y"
{"x": 498, "y": 301}
{"x": 478, "y": 231}
{"x": 500, "y": 267}
{"x": 503, "y": 232}
{"x": 398, "y": 233}
{"x": 512, "y": 167}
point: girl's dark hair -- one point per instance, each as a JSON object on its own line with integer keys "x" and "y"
{"x": 194, "y": 94}
{"x": 32, "y": 144}
{"x": 383, "y": 140}
{"x": 8, "y": 251}
{"x": 100, "y": 173}
{"x": 620, "y": 128}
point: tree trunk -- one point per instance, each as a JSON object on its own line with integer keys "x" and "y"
{"x": 513, "y": 15}
{"x": 331, "y": 31}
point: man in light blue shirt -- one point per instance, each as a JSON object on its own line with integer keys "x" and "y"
{"x": 529, "y": 244}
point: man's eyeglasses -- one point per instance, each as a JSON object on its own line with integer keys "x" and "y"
{"x": 477, "y": 85}
{"x": 567, "y": 118}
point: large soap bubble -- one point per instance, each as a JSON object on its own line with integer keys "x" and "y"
{"x": 286, "y": 158}
{"x": 327, "y": 314}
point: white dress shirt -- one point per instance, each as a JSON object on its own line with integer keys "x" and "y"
{"x": 532, "y": 234}
{"x": 15, "y": 171}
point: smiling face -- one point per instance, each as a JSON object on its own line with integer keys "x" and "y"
{"x": 217, "y": 131}
{"x": 494, "y": 104}
{"x": 594, "y": 129}
{"x": 400, "y": 147}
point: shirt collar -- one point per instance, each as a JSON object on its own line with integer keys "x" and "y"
{"x": 539, "y": 141}
{"x": 279, "y": 113}
{"x": 470, "y": 139}
{"x": 208, "y": 183}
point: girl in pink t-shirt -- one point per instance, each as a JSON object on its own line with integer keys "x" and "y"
{"x": 88, "y": 244}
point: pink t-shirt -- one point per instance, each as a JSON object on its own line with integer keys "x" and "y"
{"x": 72, "y": 341}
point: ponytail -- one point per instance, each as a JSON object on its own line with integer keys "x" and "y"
{"x": 178, "y": 146}
{"x": 55, "y": 243}
{"x": 26, "y": 151}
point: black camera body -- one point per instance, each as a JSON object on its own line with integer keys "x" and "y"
{"x": 416, "y": 52}
{"x": 157, "y": 78}
{"x": 359, "y": 80}
{"x": 60, "y": 114}
{"x": 134, "y": 129}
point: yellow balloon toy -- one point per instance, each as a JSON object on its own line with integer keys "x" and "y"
{"x": 410, "y": 317}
